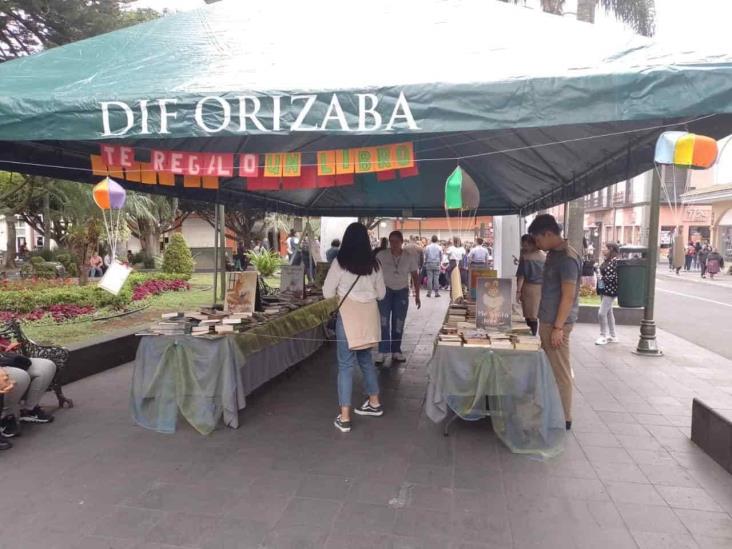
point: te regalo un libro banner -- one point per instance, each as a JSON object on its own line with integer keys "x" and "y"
{"x": 269, "y": 171}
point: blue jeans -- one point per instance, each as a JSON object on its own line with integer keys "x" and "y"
{"x": 95, "y": 272}
{"x": 347, "y": 360}
{"x": 433, "y": 279}
{"x": 393, "y": 312}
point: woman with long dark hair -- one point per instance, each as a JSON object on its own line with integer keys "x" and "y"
{"x": 607, "y": 287}
{"x": 355, "y": 278}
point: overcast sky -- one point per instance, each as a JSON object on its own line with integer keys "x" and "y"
{"x": 678, "y": 20}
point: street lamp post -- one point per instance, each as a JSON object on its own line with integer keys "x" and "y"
{"x": 647, "y": 345}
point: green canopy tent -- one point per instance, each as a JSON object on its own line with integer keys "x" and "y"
{"x": 535, "y": 108}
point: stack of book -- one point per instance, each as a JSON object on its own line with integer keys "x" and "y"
{"x": 450, "y": 340}
{"x": 455, "y": 314}
{"x": 527, "y": 343}
{"x": 171, "y": 327}
{"x": 470, "y": 307}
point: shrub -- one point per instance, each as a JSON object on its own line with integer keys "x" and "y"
{"x": 68, "y": 262}
{"x": 265, "y": 261}
{"x": 177, "y": 257}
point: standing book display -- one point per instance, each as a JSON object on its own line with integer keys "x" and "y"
{"x": 475, "y": 274}
{"x": 292, "y": 281}
{"x": 493, "y": 303}
{"x": 321, "y": 271}
{"x": 241, "y": 292}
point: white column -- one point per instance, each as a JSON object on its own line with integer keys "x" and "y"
{"x": 507, "y": 236}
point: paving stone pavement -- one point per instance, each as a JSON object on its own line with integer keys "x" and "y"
{"x": 628, "y": 477}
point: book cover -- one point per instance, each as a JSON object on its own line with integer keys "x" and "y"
{"x": 475, "y": 274}
{"x": 292, "y": 281}
{"x": 494, "y": 303}
{"x": 241, "y": 292}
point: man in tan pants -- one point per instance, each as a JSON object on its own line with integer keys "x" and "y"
{"x": 559, "y": 303}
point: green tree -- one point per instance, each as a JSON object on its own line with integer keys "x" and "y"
{"x": 27, "y": 26}
{"x": 640, "y": 15}
{"x": 177, "y": 257}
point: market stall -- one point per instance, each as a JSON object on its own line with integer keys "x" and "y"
{"x": 238, "y": 107}
{"x": 208, "y": 377}
{"x": 533, "y": 126}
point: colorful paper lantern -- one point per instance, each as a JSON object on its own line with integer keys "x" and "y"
{"x": 686, "y": 150}
{"x": 109, "y": 195}
{"x": 461, "y": 192}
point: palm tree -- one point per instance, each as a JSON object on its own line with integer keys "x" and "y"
{"x": 638, "y": 14}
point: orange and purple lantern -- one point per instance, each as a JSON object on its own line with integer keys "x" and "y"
{"x": 686, "y": 150}
{"x": 109, "y": 195}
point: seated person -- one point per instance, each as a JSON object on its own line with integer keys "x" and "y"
{"x": 95, "y": 266}
{"x": 21, "y": 402}
{"x": 6, "y": 385}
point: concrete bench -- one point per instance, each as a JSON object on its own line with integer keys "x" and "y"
{"x": 711, "y": 430}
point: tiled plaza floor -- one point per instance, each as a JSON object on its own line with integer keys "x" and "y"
{"x": 629, "y": 476}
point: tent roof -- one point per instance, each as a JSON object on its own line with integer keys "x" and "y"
{"x": 537, "y": 108}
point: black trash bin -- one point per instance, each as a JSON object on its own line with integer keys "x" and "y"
{"x": 632, "y": 277}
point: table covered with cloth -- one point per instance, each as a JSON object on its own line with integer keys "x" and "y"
{"x": 522, "y": 395}
{"x": 205, "y": 378}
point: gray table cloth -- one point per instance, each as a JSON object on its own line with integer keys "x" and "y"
{"x": 522, "y": 396}
{"x": 207, "y": 378}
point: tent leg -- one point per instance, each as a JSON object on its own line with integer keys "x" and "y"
{"x": 647, "y": 345}
{"x": 222, "y": 252}
{"x": 216, "y": 253}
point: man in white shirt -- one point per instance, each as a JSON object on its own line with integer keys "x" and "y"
{"x": 398, "y": 265}
{"x": 292, "y": 242}
{"x": 478, "y": 255}
{"x": 432, "y": 261}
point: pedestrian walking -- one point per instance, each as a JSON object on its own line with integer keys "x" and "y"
{"x": 355, "y": 276}
{"x": 607, "y": 289}
{"x": 559, "y": 304}
{"x": 432, "y": 261}
{"x": 689, "y": 257}
{"x": 671, "y": 256}
{"x": 697, "y": 249}
{"x": 702, "y": 258}
{"x": 398, "y": 267}
{"x": 529, "y": 275}
{"x": 715, "y": 263}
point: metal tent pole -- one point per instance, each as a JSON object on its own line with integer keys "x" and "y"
{"x": 216, "y": 253}
{"x": 222, "y": 252}
{"x": 647, "y": 345}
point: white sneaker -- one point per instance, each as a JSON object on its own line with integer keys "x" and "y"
{"x": 601, "y": 341}
{"x": 379, "y": 358}
{"x": 613, "y": 339}
{"x": 398, "y": 357}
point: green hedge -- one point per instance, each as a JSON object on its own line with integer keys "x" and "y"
{"x": 25, "y": 301}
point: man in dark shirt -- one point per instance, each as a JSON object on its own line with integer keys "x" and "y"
{"x": 332, "y": 252}
{"x": 559, "y": 302}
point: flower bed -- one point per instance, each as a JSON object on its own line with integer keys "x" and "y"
{"x": 58, "y": 313}
{"x": 40, "y": 299}
{"x": 154, "y": 287}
